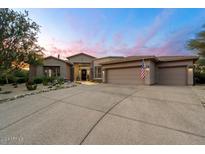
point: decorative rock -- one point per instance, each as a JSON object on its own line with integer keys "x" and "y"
{"x": 36, "y": 92}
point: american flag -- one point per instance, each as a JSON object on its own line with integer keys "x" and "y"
{"x": 142, "y": 73}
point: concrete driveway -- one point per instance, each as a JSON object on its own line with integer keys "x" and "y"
{"x": 105, "y": 114}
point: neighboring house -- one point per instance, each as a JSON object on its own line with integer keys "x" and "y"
{"x": 166, "y": 70}
{"x": 53, "y": 66}
{"x": 82, "y": 68}
{"x": 97, "y": 67}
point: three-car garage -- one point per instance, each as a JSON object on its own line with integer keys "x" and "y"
{"x": 163, "y": 71}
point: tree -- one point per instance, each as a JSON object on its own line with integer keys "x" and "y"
{"x": 18, "y": 41}
{"x": 198, "y": 44}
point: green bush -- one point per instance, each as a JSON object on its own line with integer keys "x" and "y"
{"x": 18, "y": 76}
{"x": 20, "y": 73}
{"x": 2, "y": 80}
{"x": 199, "y": 78}
{"x": 51, "y": 79}
{"x": 47, "y": 80}
{"x": 199, "y": 73}
{"x": 21, "y": 80}
{"x": 38, "y": 80}
{"x": 11, "y": 78}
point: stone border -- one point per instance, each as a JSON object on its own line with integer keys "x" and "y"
{"x": 35, "y": 92}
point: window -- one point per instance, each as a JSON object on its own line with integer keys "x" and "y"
{"x": 98, "y": 72}
{"x": 51, "y": 71}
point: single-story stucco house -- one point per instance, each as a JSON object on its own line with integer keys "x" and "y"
{"x": 164, "y": 70}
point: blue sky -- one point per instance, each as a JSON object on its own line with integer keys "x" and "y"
{"x": 122, "y": 32}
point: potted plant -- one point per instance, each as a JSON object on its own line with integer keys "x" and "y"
{"x": 30, "y": 85}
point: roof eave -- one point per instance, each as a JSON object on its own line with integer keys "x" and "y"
{"x": 80, "y": 54}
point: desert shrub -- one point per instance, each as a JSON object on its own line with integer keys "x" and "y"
{"x": 47, "y": 80}
{"x": 60, "y": 80}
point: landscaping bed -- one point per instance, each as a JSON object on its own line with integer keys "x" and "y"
{"x": 9, "y": 93}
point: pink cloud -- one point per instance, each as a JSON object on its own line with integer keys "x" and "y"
{"x": 64, "y": 49}
{"x": 174, "y": 45}
{"x": 153, "y": 30}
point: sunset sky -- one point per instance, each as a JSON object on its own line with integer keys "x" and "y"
{"x": 117, "y": 32}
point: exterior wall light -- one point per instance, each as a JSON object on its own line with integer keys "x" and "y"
{"x": 103, "y": 76}
{"x": 190, "y": 68}
{"x": 147, "y": 68}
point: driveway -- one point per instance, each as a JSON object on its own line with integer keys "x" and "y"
{"x": 105, "y": 114}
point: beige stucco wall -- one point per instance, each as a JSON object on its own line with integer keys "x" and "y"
{"x": 150, "y": 73}
{"x": 64, "y": 67}
{"x": 175, "y": 63}
{"x": 97, "y": 62}
{"x": 190, "y": 74}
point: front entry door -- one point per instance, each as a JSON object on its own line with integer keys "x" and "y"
{"x": 83, "y": 74}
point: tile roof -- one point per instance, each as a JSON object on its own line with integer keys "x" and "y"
{"x": 130, "y": 58}
{"x": 151, "y": 57}
{"x": 175, "y": 58}
{"x": 65, "y": 61}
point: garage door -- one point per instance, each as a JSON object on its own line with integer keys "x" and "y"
{"x": 124, "y": 76}
{"x": 172, "y": 76}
